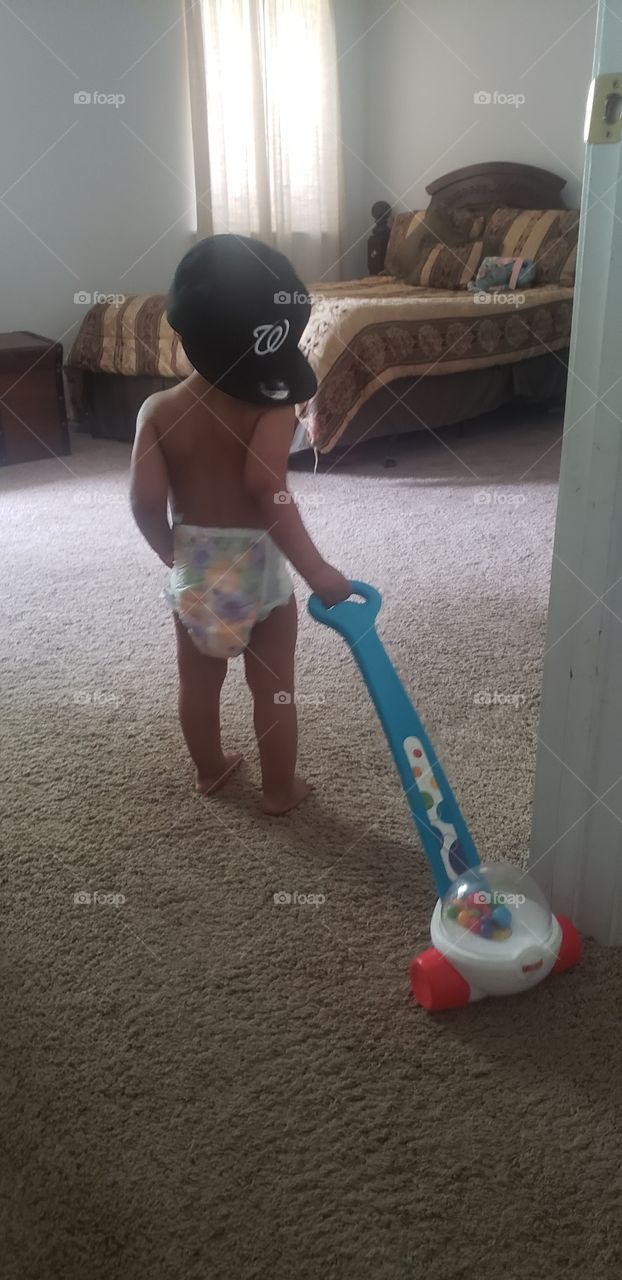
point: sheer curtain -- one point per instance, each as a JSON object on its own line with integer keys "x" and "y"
{"x": 266, "y": 126}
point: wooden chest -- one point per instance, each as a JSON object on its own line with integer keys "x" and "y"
{"x": 33, "y": 416}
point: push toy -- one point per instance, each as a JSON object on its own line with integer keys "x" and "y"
{"x": 493, "y": 932}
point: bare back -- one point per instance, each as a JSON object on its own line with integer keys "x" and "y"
{"x": 204, "y": 436}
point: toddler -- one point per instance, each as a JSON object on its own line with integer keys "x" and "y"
{"x": 215, "y": 450}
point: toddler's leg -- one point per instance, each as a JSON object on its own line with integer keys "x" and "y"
{"x": 200, "y": 682}
{"x": 269, "y": 661}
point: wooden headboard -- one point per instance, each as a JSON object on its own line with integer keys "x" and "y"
{"x": 499, "y": 182}
{"x": 478, "y": 186}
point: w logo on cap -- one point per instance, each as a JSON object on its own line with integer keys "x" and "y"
{"x": 269, "y": 337}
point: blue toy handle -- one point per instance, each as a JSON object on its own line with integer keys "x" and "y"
{"x": 444, "y": 834}
{"x": 350, "y": 619}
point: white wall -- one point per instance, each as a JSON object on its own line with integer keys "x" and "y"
{"x": 105, "y": 209}
{"x": 422, "y": 61}
{"x": 100, "y": 199}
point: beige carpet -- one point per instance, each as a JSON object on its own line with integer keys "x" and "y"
{"x": 200, "y": 1083}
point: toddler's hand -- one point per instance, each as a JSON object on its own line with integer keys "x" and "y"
{"x": 331, "y": 586}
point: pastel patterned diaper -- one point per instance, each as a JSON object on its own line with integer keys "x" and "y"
{"x": 223, "y": 581}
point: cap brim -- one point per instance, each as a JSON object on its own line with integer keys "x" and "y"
{"x": 284, "y": 382}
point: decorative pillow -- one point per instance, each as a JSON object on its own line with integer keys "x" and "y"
{"x": 457, "y": 226}
{"x": 401, "y": 225}
{"x": 413, "y": 235}
{"x": 548, "y": 236}
{"x": 445, "y": 267}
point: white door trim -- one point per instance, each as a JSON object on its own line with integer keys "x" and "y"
{"x": 576, "y": 850}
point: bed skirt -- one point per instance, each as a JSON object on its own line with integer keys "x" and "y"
{"x": 106, "y": 404}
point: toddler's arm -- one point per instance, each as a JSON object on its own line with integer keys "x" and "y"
{"x": 265, "y": 477}
{"x": 149, "y": 488}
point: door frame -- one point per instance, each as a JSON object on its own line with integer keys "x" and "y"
{"x": 576, "y": 846}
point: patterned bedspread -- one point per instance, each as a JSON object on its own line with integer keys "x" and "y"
{"x": 362, "y": 334}
{"x": 368, "y": 332}
{"x": 132, "y": 337}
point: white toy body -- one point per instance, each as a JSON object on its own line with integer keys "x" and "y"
{"x": 500, "y": 968}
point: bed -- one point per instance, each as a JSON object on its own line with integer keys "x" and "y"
{"x": 390, "y": 355}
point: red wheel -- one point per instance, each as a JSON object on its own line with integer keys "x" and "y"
{"x": 436, "y": 984}
{"x": 570, "y": 948}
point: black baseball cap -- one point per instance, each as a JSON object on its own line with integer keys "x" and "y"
{"x": 240, "y": 310}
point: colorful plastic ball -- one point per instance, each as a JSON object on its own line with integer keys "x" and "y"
{"x": 500, "y": 935}
{"x": 453, "y": 910}
{"x": 476, "y": 899}
{"x": 465, "y": 917}
{"x": 486, "y": 927}
{"x": 474, "y": 924}
{"x": 502, "y": 917}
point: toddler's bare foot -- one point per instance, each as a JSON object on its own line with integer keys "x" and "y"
{"x": 277, "y": 803}
{"x": 208, "y": 784}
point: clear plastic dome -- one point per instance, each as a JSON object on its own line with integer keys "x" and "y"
{"x": 495, "y": 903}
